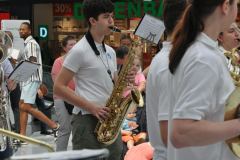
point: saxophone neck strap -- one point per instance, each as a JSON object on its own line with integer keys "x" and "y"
{"x": 91, "y": 42}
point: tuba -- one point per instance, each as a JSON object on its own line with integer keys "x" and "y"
{"x": 6, "y": 145}
{"x": 6, "y": 149}
{"x": 108, "y": 130}
{"x": 232, "y": 110}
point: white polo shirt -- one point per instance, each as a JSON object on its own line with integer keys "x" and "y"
{"x": 91, "y": 78}
{"x": 157, "y": 99}
{"x": 200, "y": 88}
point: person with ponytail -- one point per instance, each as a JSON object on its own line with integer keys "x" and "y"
{"x": 157, "y": 93}
{"x": 200, "y": 84}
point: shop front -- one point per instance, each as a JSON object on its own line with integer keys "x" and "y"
{"x": 53, "y": 20}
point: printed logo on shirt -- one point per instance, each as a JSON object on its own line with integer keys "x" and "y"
{"x": 109, "y": 56}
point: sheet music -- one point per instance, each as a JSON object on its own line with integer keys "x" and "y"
{"x": 23, "y": 71}
{"x": 150, "y": 28}
{"x": 14, "y": 53}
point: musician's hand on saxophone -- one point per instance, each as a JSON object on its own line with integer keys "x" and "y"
{"x": 102, "y": 113}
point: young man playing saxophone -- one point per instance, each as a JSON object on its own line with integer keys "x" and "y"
{"x": 93, "y": 66}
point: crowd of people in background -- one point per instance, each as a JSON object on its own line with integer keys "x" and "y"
{"x": 62, "y": 108}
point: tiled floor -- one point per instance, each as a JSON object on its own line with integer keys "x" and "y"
{"x": 33, "y": 148}
{"x": 33, "y": 131}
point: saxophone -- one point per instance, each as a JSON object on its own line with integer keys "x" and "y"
{"x": 108, "y": 130}
{"x": 232, "y": 110}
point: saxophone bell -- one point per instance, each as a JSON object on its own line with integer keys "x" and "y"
{"x": 114, "y": 29}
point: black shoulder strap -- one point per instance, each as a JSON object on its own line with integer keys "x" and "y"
{"x": 92, "y": 44}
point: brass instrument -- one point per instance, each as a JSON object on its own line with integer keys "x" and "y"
{"x": 114, "y": 29}
{"x": 6, "y": 146}
{"x": 26, "y": 139}
{"x": 233, "y": 102}
{"x": 234, "y": 64}
{"x": 108, "y": 130}
{"x": 6, "y": 149}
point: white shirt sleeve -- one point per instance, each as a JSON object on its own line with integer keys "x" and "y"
{"x": 195, "y": 95}
{"x": 73, "y": 61}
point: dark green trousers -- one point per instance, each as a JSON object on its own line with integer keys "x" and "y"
{"x": 83, "y": 136}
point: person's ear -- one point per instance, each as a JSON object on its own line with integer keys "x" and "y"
{"x": 92, "y": 21}
{"x": 225, "y": 7}
{"x": 30, "y": 32}
{"x": 220, "y": 38}
{"x": 64, "y": 49}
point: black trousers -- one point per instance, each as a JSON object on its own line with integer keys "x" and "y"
{"x": 41, "y": 106}
{"x": 14, "y": 99}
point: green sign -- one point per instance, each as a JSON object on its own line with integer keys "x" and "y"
{"x": 77, "y": 11}
{"x": 43, "y": 32}
{"x": 128, "y": 9}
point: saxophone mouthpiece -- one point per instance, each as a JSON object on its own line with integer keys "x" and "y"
{"x": 114, "y": 29}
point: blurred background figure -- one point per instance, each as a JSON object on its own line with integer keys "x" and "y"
{"x": 142, "y": 151}
{"x": 8, "y": 66}
{"x": 30, "y": 87}
{"x": 126, "y": 40}
{"x": 229, "y": 39}
{"x": 121, "y": 53}
{"x": 140, "y": 80}
{"x": 46, "y": 110}
{"x": 39, "y": 102}
{"x": 63, "y": 109}
{"x": 236, "y": 27}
